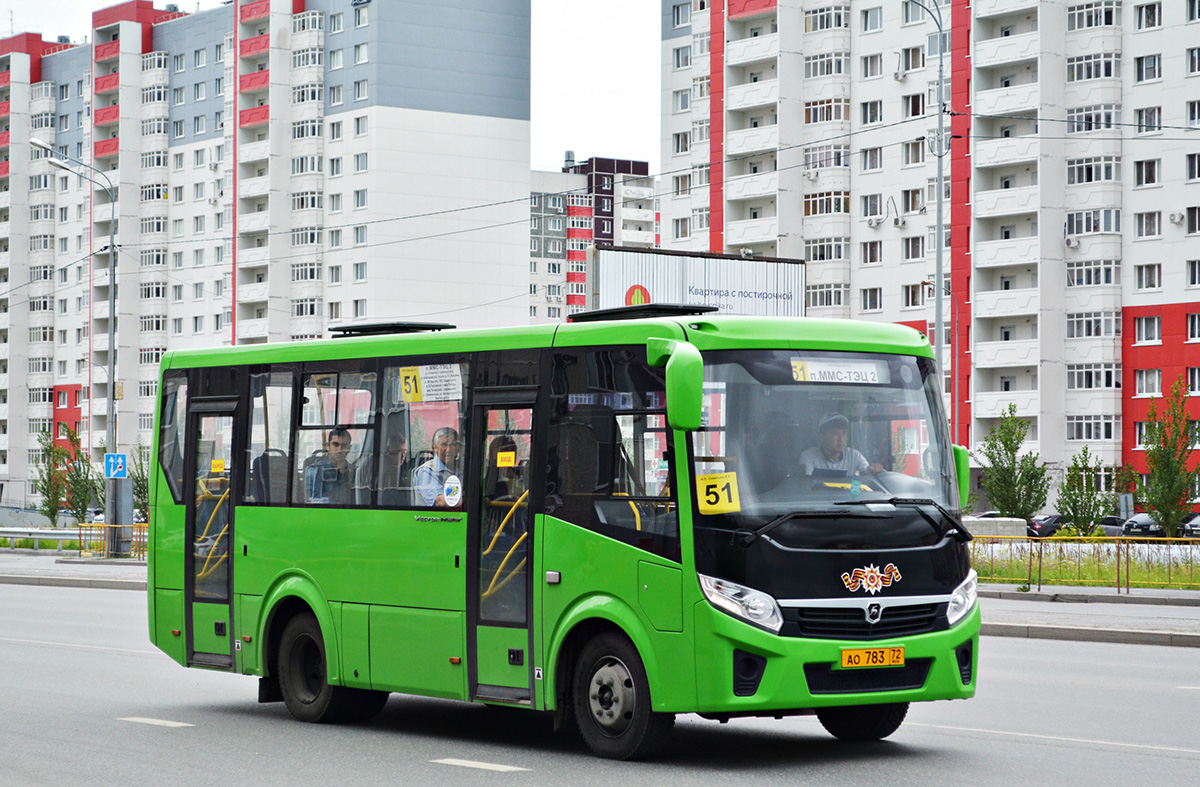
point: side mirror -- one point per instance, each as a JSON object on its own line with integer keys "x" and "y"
{"x": 685, "y": 381}
{"x": 962, "y": 465}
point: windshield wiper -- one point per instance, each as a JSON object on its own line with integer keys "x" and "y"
{"x": 744, "y": 538}
{"x": 958, "y": 531}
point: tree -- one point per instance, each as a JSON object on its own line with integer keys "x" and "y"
{"x": 1168, "y": 442}
{"x": 49, "y": 480}
{"x": 1080, "y": 501}
{"x": 1125, "y": 481}
{"x": 139, "y": 477}
{"x": 79, "y": 479}
{"x": 1015, "y": 484}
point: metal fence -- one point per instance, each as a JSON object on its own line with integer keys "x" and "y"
{"x": 89, "y": 540}
{"x": 1100, "y": 562}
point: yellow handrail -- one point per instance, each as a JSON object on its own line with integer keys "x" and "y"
{"x": 504, "y": 522}
{"x": 500, "y": 568}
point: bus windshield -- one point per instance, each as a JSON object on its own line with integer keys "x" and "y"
{"x": 803, "y": 432}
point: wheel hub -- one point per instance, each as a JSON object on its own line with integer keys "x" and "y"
{"x": 611, "y": 696}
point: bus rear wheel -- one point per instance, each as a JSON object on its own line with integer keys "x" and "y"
{"x": 611, "y": 698}
{"x": 863, "y": 722}
{"x": 304, "y": 680}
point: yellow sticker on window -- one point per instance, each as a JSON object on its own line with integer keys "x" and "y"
{"x": 218, "y": 466}
{"x": 506, "y": 459}
{"x": 718, "y": 493}
{"x": 410, "y": 383}
{"x": 799, "y": 371}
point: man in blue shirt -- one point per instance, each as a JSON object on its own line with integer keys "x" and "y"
{"x": 327, "y": 481}
{"x": 430, "y": 478}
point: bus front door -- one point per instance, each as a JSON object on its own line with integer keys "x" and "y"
{"x": 209, "y": 534}
{"x": 501, "y": 508}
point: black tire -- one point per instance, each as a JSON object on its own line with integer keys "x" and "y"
{"x": 611, "y": 699}
{"x": 863, "y": 722}
{"x": 304, "y": 681}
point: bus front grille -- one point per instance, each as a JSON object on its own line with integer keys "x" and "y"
{"x": 851, "y": 622}
{"x": 824, "y": 679}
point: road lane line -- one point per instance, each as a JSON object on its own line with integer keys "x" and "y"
{"x": 1037, "y": 736}
{"x": 81, "y": 647}
{"x": 156, "y": 722}
{"x": 1189, "y": 688}
{"x": 484, "y": 766}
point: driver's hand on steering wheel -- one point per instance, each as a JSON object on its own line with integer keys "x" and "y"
{"x": 875, "y": 468}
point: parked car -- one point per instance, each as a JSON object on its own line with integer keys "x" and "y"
{"x": 1112, "y": 526}
{"x": 1191, "y": 526}
{"x": 1141, "y": 525}
{"x": 986, "y": 515}
{"x": 1044, "y": 525}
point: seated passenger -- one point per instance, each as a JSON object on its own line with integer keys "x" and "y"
{"x": 831, "y": 453}
{"x": 430, "y": 478}
{"x": 393, "y": 477}
{"x": 327, "y": 481}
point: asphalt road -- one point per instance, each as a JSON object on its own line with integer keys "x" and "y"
{"x": 85, "y": 699}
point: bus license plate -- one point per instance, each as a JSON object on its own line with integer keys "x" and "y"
{"x": 872, "y": 657}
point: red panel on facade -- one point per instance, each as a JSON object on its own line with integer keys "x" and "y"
{"x": 5, "y": 78}
{"x": 960, "y": 212}
{"x": 3, "y": 169}
{"x": 5, "y": 108}
{"x": 4, "y": 138}
{"x": 255, "y": 80}
{"x": 740, "y": 8}
{"x": 254, "y": 116}
{"x": 576, "y": 276}
{"x": 579, "y": 232}
{"x": 578, "y": 210}
{"x": 107, "y": 51}
{"x": 106, "y": 147}
{"x": 577, "y": 256}
{"x": 716, "y": 125}
{"x": 1173, "y": 357}
{"x": 251, "y": 47}
{"x": 106, "y": 116}
{"x": 252, "y": 11}
{"x": 576, "y": 300}
{"x": 32, "y": 45}
{"x": 69, "y": 415}
{"x": 107, "y": 83}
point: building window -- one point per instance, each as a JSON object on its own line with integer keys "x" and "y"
{"x": 872, "y": 299}
{"x": 1082, "y": 376}
{"x": 682, "y": 142}
{"x": 1084, "y": 325}
{"x": 1149, "y": 120}
{"x": 360, "y": 307}
{"x": 1093, "y": 427}
{"x": 872, "y": 66}
{"x": 1147, "y": 225}
{"x": 681, "y": 228}
{"x": 872, "y": 112}
{"x": 360, "y": 271}
{"x": 1147, "y": 68}
{"x": 1148, "y": 16}
{"x": 827, "y": 203}
{"x": 1081, "y": 120}
{"x": 826, "y": 111}
{"x": 826, "y": 295}
{"x": 682, "y": 57}
{"x": 1148, "y": 276}
{"x": 1100, "y": 65}
{"x": 1147, "y": 382}
{"x": 1146, "y": 172}
{"x": 360, "y": 89}
{"x": 361, "y": 16}
{"x": 1147, "y": 330}
{"x": 360, "y": 162}
{"x": 1100, "y": 13}
{"x": 871, "y": 252}
{"x": 872, "y": 19}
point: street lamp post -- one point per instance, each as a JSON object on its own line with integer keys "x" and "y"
{"x": 940, "y": 241}
{"x": 954, "y": 347}
{"x": 110, "y": 434}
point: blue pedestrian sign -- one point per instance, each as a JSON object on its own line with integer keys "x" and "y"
{"x": 115, "y": 466}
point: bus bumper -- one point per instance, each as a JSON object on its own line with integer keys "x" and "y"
{"x": 742, "y": 669}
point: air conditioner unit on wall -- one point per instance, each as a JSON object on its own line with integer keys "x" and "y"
{"x": 810, "y": 174}
{"x": 1176, "y": 218}
{"x": 898, "y": 222}
{"x": 1072, "y": 243}
{"x": 872, "y": 223}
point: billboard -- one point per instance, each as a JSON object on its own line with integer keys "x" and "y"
{"x": 734, "y": 284}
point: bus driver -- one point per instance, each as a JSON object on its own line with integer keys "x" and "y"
{"x": 430, "y": 478}
{"x": 832, "y": 453}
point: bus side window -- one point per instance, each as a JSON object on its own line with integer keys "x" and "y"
{"x": 609, "y": 459}
{"x": 268, "y": 461}
{"x": 421, "y": 439}
{"x": 171, "y": 434}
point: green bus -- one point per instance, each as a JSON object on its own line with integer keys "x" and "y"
{"x": 645, "y": 512}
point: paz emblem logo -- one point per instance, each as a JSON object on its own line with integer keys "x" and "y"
{"x": 870, "y": 578}
{"x": 874, "y": 612}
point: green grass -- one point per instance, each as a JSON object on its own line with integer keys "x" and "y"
{"x": 1174, "y": 564}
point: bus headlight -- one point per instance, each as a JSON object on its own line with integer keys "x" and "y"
{"x": 964, "y": 598}
{"x": 750, "y": 605}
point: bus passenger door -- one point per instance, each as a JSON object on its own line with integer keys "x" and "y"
{"x": 209, "y": 466}
{"x": 500, "y": 501}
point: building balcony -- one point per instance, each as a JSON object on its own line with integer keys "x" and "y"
{"x": 252, "y": 329}
{"x": 997, "y": 303}
{"x": 5, "y": 228}
{"x": 256, "y": 292}
{"x": 749, "y": 231}
{"x": 627, "y": 237}
{"x": 4, "y": 139}
{"x": 253, "y": 256}
{"x": 254, "y": 81}
{"x": 988, "y": 8}
{"x": 1097, "y": 401}
{"x": 630, "y": 193}
{"x": 107, "y": 116}
{"x": 107, "y": 83}
{"x": 1007, "y": 100}
{"x": 762, "y": 184}
{"x": 1006, "y": 202}
{"x": 1084, "y": 196}
{"x": 637, "y": 214}
{"x": 256, "y": 46}
{"x": 751, "y": 95}
{"x": 993, "y": 404}
{"x": 5, "y": 321}
{"x": 4, "y": 168}
{"x": 1009, "y": 49}
{"x": 752, "y": 50}
{"x": 249, "y": 152}
{"x": 106, "y": 148}
{"x": 751, "y": 140}
{"x": 253, "y": 222}
{"x": 5, "y": 196}
{"x": 1103, "y": 349}
{"x": 1006, "y": 151}
{"x": 1014, "y": 251}
{"x": 992, "y": 355}
{"x": 99, "y": 406}
{"x": 254, "y": 187}
{"x": 252, "y": 11}
{"x": 254, "y": 116}
{"x": 5, "y": 109}
{"x": 5, "y": 78}
{"x": 107, "y": 51}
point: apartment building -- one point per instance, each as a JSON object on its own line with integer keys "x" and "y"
{"x": 600, "y": 200}
{"x": 805, "y": 129}
{"x": 268, "y": 170}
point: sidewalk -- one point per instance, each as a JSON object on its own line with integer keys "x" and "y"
{"x": 1141, "y": 617}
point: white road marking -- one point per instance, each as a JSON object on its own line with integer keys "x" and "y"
{"x": 1058, "y": 738}
{"x": 1189, "y": 688}
{"x": 157, "y": 722}
{"x": 484, "y": 766}
{"x": 81, "y": 647}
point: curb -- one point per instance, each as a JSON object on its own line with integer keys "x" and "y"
{"x": 73, "y": 582}
{"x": 1091, "y": 598}
{"x": 1084, "y": 634}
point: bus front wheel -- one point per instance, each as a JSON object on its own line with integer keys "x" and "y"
{"x": 304, "y": 680}
{"x": 611, "y": 698}
{"x": 863, "y": 722}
